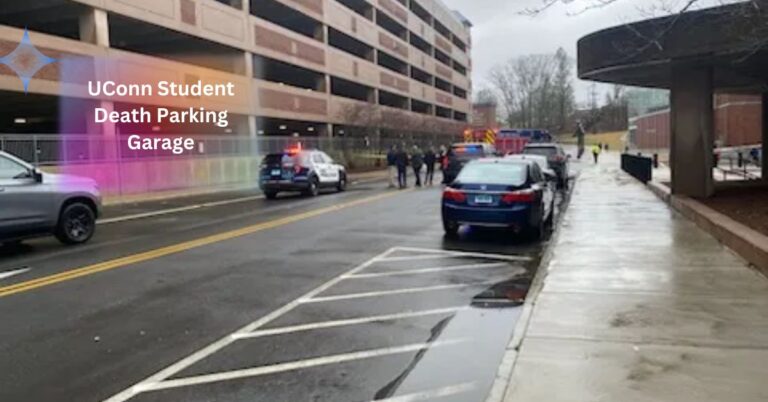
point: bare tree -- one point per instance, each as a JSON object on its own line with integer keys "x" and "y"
{"x": 486, "y": 96}
{"x": 535, "y": 90}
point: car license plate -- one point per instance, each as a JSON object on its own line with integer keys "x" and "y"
{"x": 277, "y": 172}
{"x": 483, "y": 199}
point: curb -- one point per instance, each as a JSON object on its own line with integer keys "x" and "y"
{"x": 745, "y": 241}
{"x": 503, "y": 378}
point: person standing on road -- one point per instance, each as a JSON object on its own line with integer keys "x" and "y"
{"x": 392, "y": 165}
{"x": 429, "y": 159}
{"x": 596, "y": 149}
{"x": 417, "y": 161}
{"x": 401, "y": 162}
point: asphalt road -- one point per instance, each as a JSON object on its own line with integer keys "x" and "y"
{"x": 345, "y": 297}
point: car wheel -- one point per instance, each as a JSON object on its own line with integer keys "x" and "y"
{"x": 314, "y": 188}
{"x": 77, "y": 224}
{"x": 270, "y": 195}
{"x": 342, "y": 186}
{"x": 550, "y": 223}
{"x": 451, "y": 228}
{"x": 537, "y": 232}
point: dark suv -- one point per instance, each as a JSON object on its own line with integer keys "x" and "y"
{"x": 556, "y": 158}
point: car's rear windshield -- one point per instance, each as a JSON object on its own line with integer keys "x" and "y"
{"x": 543, "y": 151}
{"x": 283, "y": 159}
{"x": 468, "y": 150}
{"x": 510, "y": 174}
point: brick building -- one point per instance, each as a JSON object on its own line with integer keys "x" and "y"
{"x": 738, "y": 122}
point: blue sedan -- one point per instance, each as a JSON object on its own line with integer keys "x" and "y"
{"x": 501, "y": 193}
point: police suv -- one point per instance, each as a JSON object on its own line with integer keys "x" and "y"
{"x": 306, "y": 171}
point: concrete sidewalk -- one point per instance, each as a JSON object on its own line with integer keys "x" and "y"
{"x": 639, "y": 304}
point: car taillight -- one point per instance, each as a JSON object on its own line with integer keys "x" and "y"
{"x": 559, "y": 158}
{"x": 519, "y": 196}
{"x": 451, "y": 194}
{"x": 297, "y": 169}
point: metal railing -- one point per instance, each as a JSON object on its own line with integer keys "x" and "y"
{"x": 639, "y": 167}
{"x": 53, "y": 149}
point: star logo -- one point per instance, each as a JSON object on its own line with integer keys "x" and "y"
{"x": 26, "y": 60}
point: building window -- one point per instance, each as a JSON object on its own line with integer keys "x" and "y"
{"x": 392, "y": 63}
{"x": 363, "y": 8}
{"x": 351, "y": 90}
{"x": 344, "y": 42}
{"x": 393, "y": 100}
{"x": 288, "y": 17}
{"x": 272, "y": 70}
{"x": 420, "y": 43}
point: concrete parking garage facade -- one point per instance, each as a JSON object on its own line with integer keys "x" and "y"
{"x": 301, "y": 67}
{"x": 302, "y": 60}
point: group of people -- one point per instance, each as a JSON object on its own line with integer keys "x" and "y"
{"x": 399, "y": 159}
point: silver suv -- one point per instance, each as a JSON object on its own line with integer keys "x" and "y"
{"x": 34, "y": 203}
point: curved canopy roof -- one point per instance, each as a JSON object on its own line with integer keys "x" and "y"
{"x": 732, "y": 39}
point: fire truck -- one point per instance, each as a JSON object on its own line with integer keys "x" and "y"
{"x": 506, "y": 140}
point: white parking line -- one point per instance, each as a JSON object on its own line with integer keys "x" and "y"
{"x": 290, "y": 366}
{"x": 419, "y": 257}
{"x": 169, "y": 211}
{"x": 228, "y": 339}
{"x": 351, "y": 321}
{"x": 393, "y": 292}
{"x": 466, "y": 267}
{"x": 8, "y": 274}
{"x": 451, "y": 253}
{"x": 433, "y": 394}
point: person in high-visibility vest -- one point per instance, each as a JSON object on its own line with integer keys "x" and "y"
{"x": 596, "y": 149}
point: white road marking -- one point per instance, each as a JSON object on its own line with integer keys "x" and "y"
{"x": 351, "y": 321}
{"x": 419, "y": 257}
{"x": 169, "y": 211}
{"x": 451, "y": 253}
{"x": 228, "y": 339}
{"x": 4, "y": 275}
{"x": 429, "y": 270}
{"x": 432, "y": 394}
{"x": 393, "y": 292}
{"x": 290, "y": 366}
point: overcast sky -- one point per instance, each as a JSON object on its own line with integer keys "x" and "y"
{"x": 500, "y": 32}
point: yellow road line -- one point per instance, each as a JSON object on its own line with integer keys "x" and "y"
{"x": 177, "y": 248}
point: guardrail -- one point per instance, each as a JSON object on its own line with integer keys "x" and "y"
{"x": 639, "y": 167}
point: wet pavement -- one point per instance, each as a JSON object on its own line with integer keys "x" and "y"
{"x": 639, "y": 304}
{"x": 348, "y": 297}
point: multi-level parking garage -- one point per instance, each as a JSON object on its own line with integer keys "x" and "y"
{"x": 304, "y": 62}
{"x": 324, "y": 70}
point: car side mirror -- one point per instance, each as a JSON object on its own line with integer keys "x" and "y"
{"x": 550, "y": 175}
{"x": 568, "y": 156}
{"x": 37, "y": 175}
